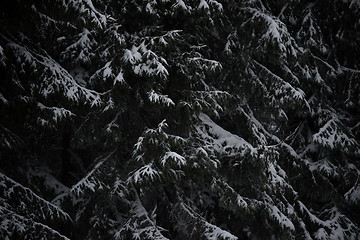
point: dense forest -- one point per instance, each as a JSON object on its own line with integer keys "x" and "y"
{"x": 180, "y": 119}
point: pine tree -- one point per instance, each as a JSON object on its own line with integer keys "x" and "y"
{"x": 172, "y": 119}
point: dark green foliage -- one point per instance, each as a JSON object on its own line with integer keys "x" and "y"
{"x": 174, "y": 119}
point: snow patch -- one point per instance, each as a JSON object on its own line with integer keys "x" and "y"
{"x": 224, "y": 141}
{"x": 160, "y": 98}
{"x": 173, "y": 157}
{"x": 3, "y": 99}
{"x": 277, "y": 215}
{"x": 353, "y": 195}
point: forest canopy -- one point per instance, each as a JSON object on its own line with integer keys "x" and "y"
{"x": 180, "y": 119}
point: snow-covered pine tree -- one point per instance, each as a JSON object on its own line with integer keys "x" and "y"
{"x": 176, "y": 119}
{"x": 143, "y": 66}
{"x": 25, "y": 215}
{"x": 304, "y": 84}
{"x": 39, "y": 102}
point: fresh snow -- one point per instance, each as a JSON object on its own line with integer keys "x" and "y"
{"x": 3, "y": 99}
{"x": 119, "y": 78}
{"x": 321, "y": 234}
{"x": 55, "y": 79}
{"x": 160, "y": 98}
{"x": 141, "y": 224}
{"x": 277, "y": 176}
{"x": 353, "y": 195}
{"x": 12, "y": 221}
{"x": 145, "y": 62}
{"x": 203, "y": 4}
{"x": 147, "y": 173}
{"x": 86, "y": 7}
{"x": 181, "y": 4}
{"x": 174, "y": 157}
{"x": 281, "y": 91}
{"x": 276, "y": 31}
{"x": 90, "y": 181}
{"x": 213, "y": 232}
{"x": 223, "y": 141}
{"x": 58, "y": 113}
{"x": 277, "y": 215}
{"x": 47, "y": 210}
{"x": 332, "y": 137}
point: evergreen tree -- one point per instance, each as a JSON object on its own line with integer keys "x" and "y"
{"x": 174, "y": 119}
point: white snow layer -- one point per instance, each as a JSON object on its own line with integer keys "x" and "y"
{"x": 87, "y": 8}
{"x": 331, "y": 136}
{"x": 277, "y": 215}
{"x": 55, "y": 79}
{"x": 147, "y": 173}
{"x": 49, "y": 209}
{"x": 353, "y": 195}
{"x": 174, "y": 157}
{"x": 160, "y": 98}
{"x": 224, "y": 141}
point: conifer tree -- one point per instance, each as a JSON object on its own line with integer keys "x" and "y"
{"x": 174, "y": 119}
